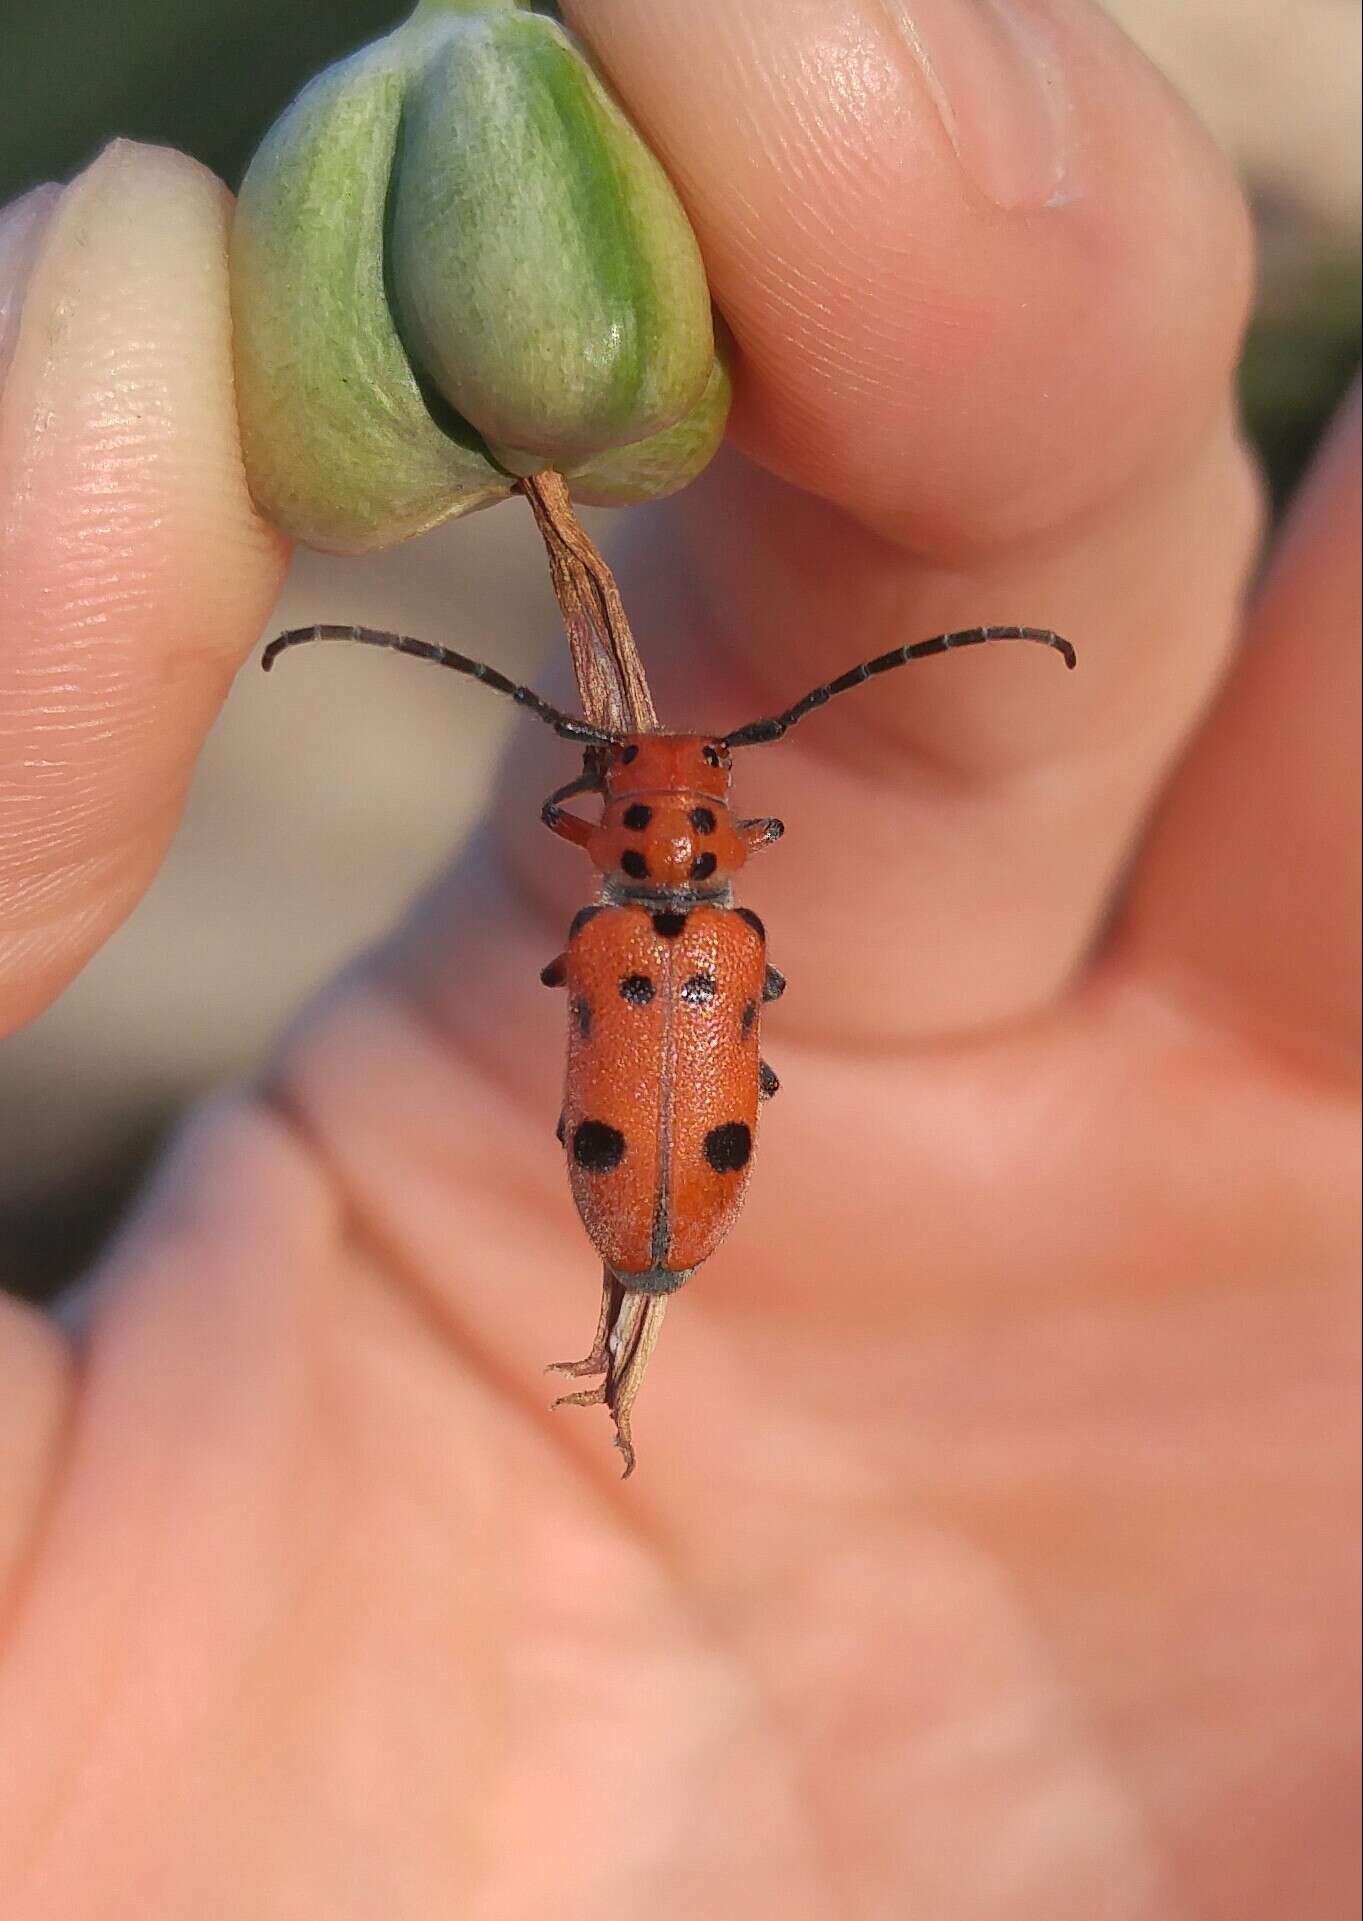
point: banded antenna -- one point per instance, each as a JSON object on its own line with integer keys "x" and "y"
{"x": 758, "y": 732}
{"x": 563, "y": 724}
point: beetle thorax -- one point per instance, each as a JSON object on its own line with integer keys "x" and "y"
{"x": 666, "y": 827}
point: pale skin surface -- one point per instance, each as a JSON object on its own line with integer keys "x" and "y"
{"x": 988, "y": 1556}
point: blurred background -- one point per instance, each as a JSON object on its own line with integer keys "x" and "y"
{"x": 325, "y": 800}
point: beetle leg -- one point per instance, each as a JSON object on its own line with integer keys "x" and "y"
{"x": 773, "y": 984}
{"x": 570, "y": 827}
{"x": 556, "y": 972}
{"x": 625, "y": 1338}
{"x": 760, "y": 833}
{"x": 599, "y": 1359}
{"x": 767, "y": 1081}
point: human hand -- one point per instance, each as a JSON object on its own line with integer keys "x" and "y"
{"x": 986, "y": 1558}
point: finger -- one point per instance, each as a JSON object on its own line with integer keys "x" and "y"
{"x": 1249, "y": 892}
{"x": 1008, "y": 398}
{"x": 134, "y": 572}
{"x": 940, "y": 230}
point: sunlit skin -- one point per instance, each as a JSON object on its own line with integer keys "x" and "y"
{"x": 990, "y": 1554}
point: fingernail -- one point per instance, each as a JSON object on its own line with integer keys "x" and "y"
{"x": 994, "y": 72}
{"x": 22, "y": 226}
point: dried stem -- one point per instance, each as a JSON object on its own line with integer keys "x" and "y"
{"x": 610, "y": 676}
{"x": 614, "y": 694}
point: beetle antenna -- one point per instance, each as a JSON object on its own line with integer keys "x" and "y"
{"x": 758, "y": 732}
{"x": 563, "y": 724}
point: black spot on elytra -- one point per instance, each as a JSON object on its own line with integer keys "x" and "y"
{"x": 767, "y": 1081}
{"x": 637, "y": 816}
{"x": 746, "y": 913}
{"x": 700, "y": 990}
{"x": 582, "y": 1014}
{"x": 637, "y": 989}
{"x": 553, "y": 974}
{"x": 580, "y": 919}
{"x": 703, "y": 866}
{"x": 668, "y": 923}
{"x": 703, "y": 820}
{"x": 597, "y": 1146}
{"x": 749, "y": 1017}
{"x": 728, "y": 1148}
{"x": 773, "y": 984}
{"x": 633, "y": 863}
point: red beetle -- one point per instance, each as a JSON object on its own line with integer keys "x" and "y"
{"x": 666, "y": 976}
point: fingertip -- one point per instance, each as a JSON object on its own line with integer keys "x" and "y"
{"x": 134, "y": 571}
{"x": 980, "y": 263}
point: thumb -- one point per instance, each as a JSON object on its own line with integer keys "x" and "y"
{"x": 134, "y": 571}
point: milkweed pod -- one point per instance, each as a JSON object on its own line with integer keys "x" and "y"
{"x": 342, "y": 448}
{"x": 453, "y": 262}
{"x": 665, "y": 462}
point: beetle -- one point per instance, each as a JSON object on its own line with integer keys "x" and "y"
{"x": 666, "y": 976}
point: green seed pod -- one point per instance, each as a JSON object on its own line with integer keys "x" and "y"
{"x": 544, "y": 274}
{"x": 341, "y": 448}
{"x": 454, "y": 261}
{"x": 665, "y": 462}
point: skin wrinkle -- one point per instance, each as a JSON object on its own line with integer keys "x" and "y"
{"x": 1104, "y": 539}
{"x": 361, "y": 1226}
{"x": 53, "y": 901}
{"x": 1292, "y": 1052}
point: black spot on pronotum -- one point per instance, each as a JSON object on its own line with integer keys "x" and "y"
{"x": 700, "y": 990}
{"x": 634, "y": 864}
{"x": 637, "y": 989}
{"x": 597, "y": 1146}
{"x": 710, "y": 755}
{"x": 767, "y": 1081}
{"x": 553, "y": 974}
{"x": 668, "y": 924}
{"x": 703, "y": 866}
{"x": 746, "y": 913}
{"x": 727, "y": 1148}
{"x": 580, "y": 919}
{"x": 582, "y": 1014}
{"x": 703, "y": 820}
{"x": 749, "y": 1019}
{"x": 773, "y": 984}
{"x": 627, "y": 754}
{"x": 636, "y": 817}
